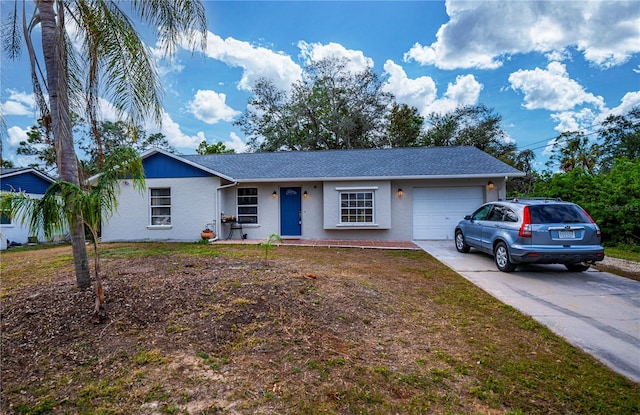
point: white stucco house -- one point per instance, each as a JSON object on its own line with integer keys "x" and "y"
{"x": 383, "y": 194}
{"x": 30, "y": 181}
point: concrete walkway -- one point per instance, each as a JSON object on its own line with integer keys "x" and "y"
{"x": 329, "y": 243}
{"x": 595, "y": 311}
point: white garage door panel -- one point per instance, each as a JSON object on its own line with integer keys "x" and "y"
{"x": 437, "y": 210}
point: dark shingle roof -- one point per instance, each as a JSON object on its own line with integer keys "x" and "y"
{"x": 344, "y": 164}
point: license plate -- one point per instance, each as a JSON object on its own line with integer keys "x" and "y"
{"x": 566, "y": 234}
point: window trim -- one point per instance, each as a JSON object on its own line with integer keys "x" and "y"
{"x": 151, "y": 225}
{"x": 354, "y": 191}
{"x": 248, "y": 205}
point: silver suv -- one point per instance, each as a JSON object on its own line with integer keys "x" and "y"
{"x": 540, "y": 231}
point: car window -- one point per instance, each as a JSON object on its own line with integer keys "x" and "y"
{"x": 510, "y": 216}
{"x": 557, "y": 214}
{"x": 497, "y": 213}
{"x": 481, "y": 213}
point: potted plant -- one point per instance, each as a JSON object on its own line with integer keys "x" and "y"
{"x": 207, "y": 233}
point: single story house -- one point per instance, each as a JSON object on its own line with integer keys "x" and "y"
{"x": 33, "y": 183}
{"x": 382, "y": 194}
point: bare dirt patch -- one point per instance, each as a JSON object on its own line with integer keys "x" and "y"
{"x": 218, "y": 330}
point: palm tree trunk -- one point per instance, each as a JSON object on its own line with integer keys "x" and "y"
{"x": 55, "y": 57}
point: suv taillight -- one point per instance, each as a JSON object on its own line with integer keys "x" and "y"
{"x": 525, "y": 228}
{"x": 598, "y": 233}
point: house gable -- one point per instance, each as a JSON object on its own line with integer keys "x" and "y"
{"x": 24, "y": 181}
{"x": 159, "y": 165}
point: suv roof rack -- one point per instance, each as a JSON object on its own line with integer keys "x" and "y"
{"x": 545, "y": 199}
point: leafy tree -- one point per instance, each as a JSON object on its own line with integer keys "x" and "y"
{"x": 612, "y": 199}
{"x": 405, "y": 126}
{"x": 330, "y": 108}
{"x": 573, "y": 150}
{"x": 217, "y": 148}
{"x": 621, "y": 137}
{"x": 114, "y": 135}
{"x": 64, "y": 200}
{"x": 471, "y": 125}
{"x": 111, "y": 55}
{"x": 523, "y": 161}
{"x": 39, "y": 143}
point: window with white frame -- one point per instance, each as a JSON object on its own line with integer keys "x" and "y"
{"x": 248, "y": 205}
{"x": 356, "y": 207}
{"x": 160, "y": 204}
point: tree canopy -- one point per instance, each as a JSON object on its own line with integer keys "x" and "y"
{"x": 217, "y": 148}
{"x": 471, "y": 125}
{"x": 330, "y": 108}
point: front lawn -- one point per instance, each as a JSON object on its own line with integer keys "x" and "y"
{"x": 217, "y": 329}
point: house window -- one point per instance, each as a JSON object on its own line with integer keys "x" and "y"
{"x": 248, "y": 205}
{"x": 5, "y": 217}
{"x": 160, "y": 203}
{"x": 356, "y": 207}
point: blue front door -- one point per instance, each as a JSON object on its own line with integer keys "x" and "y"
{"x": 290, "y": 211}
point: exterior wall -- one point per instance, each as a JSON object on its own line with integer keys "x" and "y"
{"x": 193, "y": 206}
{"x": 382, "y": 203}
{"x": 198, "y": 201}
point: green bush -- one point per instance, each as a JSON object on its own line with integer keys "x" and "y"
{"x": 612, "y": 199}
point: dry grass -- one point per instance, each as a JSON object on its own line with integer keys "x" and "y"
{"x": 198, "y": 329}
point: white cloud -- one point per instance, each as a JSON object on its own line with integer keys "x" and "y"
{"x": 465, "y": 91}
{"x": 210, "y": 107}
{"x": 174, "y": 134}
{"x": 256, "y": 62}
{"x": 236, "y": 143}
{"x": 483, "y": 34}
{"x": 628, "y": 101}
{"x": 357, "y": 62}
{"x": 15, "y": 135}
{"x": 574, "y": 120}
{"x": 551, "y": 89}
{"x": 18, "y": 103}
{"x": 422, "y": 92}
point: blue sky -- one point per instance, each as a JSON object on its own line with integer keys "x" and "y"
{"x": 545, "y": 67}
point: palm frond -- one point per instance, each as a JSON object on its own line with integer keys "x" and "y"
{"x": 113, "y": 45}
{"x": 173, "y": 19}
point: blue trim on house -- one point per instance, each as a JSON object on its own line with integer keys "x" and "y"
{"x": 160, "y": 166}
{"x": 27, "y": 182}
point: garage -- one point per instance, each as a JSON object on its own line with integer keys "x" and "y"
{"x": 437, "y": 210}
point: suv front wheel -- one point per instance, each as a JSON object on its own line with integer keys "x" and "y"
{"x": 501, "y": 257}
{"x": 461, "y": 245}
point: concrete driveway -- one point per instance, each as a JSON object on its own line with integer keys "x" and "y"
{"x": 595, "y": 311}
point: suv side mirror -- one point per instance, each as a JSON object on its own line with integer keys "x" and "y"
{"x": 467, "y": 217}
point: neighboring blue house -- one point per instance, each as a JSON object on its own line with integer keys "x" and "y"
{"x": 384, "y": 194}
{"x": 27, "y": 180}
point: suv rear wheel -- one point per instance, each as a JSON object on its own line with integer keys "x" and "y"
{"x": 461, "y": 245}
{"x": 501, "y": 257}
{"x": 579, "y": 267}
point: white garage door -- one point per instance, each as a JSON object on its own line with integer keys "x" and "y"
{"x": 437, "y": 210}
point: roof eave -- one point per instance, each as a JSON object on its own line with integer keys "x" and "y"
{"x": 361, "y": 178}
{"x": 27, "y": 170}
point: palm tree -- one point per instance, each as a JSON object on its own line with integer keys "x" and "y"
{"x": 572, "y": 150}
{"x": 111, "y": 55}
{"x": 65, "y": 200}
